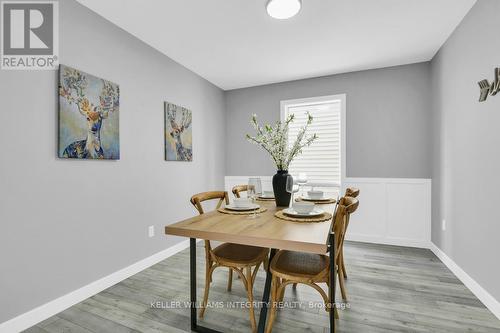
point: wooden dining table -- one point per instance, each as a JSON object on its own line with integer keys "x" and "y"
{"x": 266, "y": 231}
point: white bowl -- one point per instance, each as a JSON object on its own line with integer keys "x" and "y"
{"x": 269, "y": 194}
{"x": 303, "y": 207}
{"x": 315, "y": 194}
{"x": 242, "y": 202}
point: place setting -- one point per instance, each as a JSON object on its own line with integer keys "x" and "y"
{"x": 242, "y": 206}
{"x": 303, "y": 210}
{"x": 266, "y": 196}
{"x": 247, "y": 206}
{"x": 317, "y": 197}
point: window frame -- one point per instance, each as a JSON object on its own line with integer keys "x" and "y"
{"x": 286, "y": 104}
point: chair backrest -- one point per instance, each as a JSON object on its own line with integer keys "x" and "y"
{"x": 238, "y": 189}
{"x": 197, "y": 199}
{"x": 352, "y": 192}
{"x": 345, "y": 207}
{"x": 352, "y": 205}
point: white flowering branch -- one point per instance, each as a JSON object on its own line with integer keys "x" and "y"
{"x": 274, "y": 140}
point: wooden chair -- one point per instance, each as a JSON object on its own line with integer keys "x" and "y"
{"x": 349, "y": 192}
{"x": 352, "y": 192}
{"x": 236, "y": 257}
{"x": 238, "y": 189}
{"x": 289, "y": 267}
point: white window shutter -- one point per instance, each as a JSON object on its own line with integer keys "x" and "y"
{"x": 322, "y": 160}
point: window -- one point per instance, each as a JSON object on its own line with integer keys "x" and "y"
{"x": 323, "y": 160}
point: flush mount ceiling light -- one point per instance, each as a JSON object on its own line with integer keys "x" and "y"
{"x": 283, "y": 9}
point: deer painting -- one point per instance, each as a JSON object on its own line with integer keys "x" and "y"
{"x": 78, "y": 91}
{"x": 178, "y": 138}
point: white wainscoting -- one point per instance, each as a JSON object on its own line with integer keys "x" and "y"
{"x": 394, "y": 211}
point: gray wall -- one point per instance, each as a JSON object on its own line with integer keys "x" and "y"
{"x": 388, "y": 121}
{"x": 68, "y": 223}
{"x": 65, "y": 223}
{"x": 466, "y": 159}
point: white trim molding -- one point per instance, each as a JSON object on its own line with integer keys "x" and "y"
{"x": 381, "y": 212}
{"x": 486, "y": 298}
{"x": 47, "y": 310}
{"x": 394, "y": 211}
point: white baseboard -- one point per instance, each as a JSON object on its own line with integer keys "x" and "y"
{"x": 486, "y": 298}
{"x": 423, "y": 244}
{"x": 51, "y": 308}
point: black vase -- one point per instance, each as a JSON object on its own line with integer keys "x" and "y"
{"x": 281, "y": 196}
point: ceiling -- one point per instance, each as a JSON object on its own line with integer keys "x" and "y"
{"x": 235, "y": 44}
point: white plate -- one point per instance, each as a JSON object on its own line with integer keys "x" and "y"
{"x": 266, "y": 197}
{"x": 320, "y": 199}
{"x": 315, "y": 212}
{"x": 251, "y": 207}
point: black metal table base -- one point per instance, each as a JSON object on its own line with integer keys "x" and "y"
{"x": 192, "y": 277}
{"x": 265, "y": 297}
{"x": 331, "y": 290}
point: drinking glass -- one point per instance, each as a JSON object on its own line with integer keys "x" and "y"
{"x": 302, "y": 180}
{"x": 291, "y": 188}
{"x": 254, "y": 190}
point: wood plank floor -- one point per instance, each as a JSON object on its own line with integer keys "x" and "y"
{"x": 390, "y": 289}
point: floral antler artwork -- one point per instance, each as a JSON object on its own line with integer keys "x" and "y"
{"x": 73, "y": 85}
{"x": 79, "y": 89}
{"x": 274, "y": 140}
{"x": 109, "y": 99}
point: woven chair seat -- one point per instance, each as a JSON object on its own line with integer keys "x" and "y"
{"x": 299, "y": 264}
{"x": 240, "y": 254}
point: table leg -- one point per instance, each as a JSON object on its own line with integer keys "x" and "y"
{"x": 265, "y": 296}
{"x": 192, "y": 279}
{"x": 332, "y": 283}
